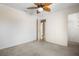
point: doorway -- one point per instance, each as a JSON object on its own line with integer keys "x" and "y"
{"x": 73, "y": 29}
{"x": 41, "y": 29}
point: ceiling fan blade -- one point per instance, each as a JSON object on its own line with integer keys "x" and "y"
{"x": 37, "y": 3}
{"x": 47, "y": 4}
{"x": 32, "y": 7}
{"x": 46, "y": 8}
{"x": 43, "y": 4}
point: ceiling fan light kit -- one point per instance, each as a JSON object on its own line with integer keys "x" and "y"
{"x": 40, "y": 9}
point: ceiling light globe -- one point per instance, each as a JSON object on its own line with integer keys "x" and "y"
{"x": 40, "y": 9}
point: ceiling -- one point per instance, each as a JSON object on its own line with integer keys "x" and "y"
{"x": 55, "y": 6}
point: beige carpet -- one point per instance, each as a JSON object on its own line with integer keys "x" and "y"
{"x": 40, "y": 48}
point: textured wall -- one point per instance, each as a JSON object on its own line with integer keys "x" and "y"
{"x": 16, "y": 27}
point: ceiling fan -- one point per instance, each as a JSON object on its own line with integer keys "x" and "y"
{"x": 41, "y": 7}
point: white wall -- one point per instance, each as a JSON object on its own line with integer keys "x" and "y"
{"x": 56, "y": 31}
{"x": 57, "y": 26}
{"x": 16, "y": 27}
{"x": 73, "y": 27}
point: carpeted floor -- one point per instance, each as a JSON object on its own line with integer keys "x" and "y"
{"x": 41, "y": 48}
